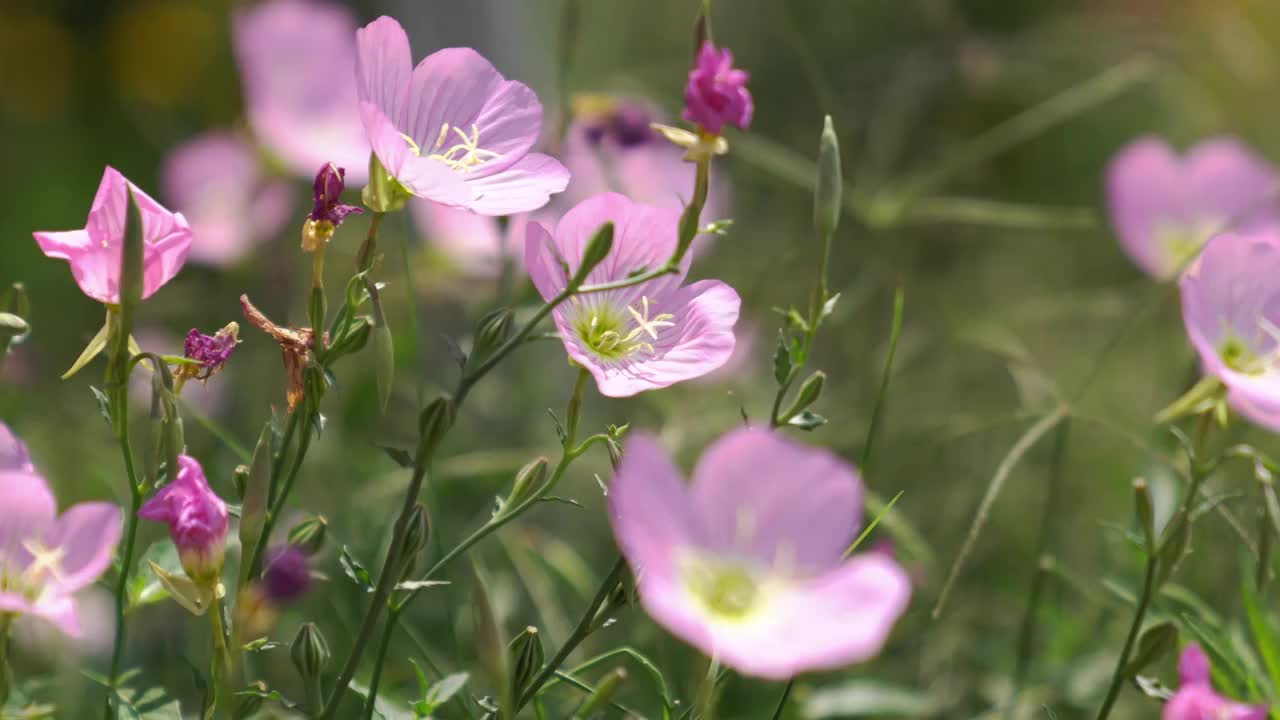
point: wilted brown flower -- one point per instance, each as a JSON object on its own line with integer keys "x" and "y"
{"x": 295, "y": 344}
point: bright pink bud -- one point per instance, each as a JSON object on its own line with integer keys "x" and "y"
{"x": 197, "y": 520}
{"x": 717, "y": 92}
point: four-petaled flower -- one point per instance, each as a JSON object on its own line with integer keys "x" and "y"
{"x": 645, "y": 336}
{"x": 1196, "y": 700}
{"x": 746, "y": 563}
{"x": 453, "y": 129}
{"x": 46, "y": 558}
{"x": 1231, "y": 309}
{"x": 197, "y": 520}
{"x": 1164, "y": 207}
{"x": 716, "y": 94}
{"x": 94, "y": 253}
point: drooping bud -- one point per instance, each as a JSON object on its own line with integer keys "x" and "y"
{"x": 829, "y": 185}
{"x": 526, "y": 658}
{"x": 197, "y": 520}
{"x": 595, "y": 253}
{"x": 309, "y": 652}
{"x": 327, "y": 210}
{"x": 287, "y": 574}
{"x": 716, "y": 93}
{"x": 309, "y": 535}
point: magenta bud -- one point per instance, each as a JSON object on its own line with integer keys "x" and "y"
{"x": 716, "y": 94}
{"x": 327, "y": 209}
{"x": 197, "y": 520}
{"x": 287, "y": 575}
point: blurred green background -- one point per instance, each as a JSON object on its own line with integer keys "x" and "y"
{"x": 1017, "y": 299}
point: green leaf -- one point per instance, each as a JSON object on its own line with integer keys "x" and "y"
{"x": 91, "y": 351}
{"x": 829, "y": 306}
{"x": 104, "y": 403}
{"x": 1154, "y": 643}
{"x": 262, "y": 644}
{"x": 1264, "y": 632}
{"x": 782, "y": 360}
{"x": 443, "y": 691}
{"x": 419, "y": 584}
{"x": 144, "y": 587}
{"x": 355, "y": 570}
{"x": 399, "y": 456}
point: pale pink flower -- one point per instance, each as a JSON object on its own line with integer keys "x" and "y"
{"x": 1231, "y": 309}
{"x": 297, "y": 66}
{"x": 1165, "y": 206}
{"x": 746, "y": 563}
{"x": 217, "y": 181}
{"x": 642, "y": 337}
{"x": 453, "y": 129}
{"x": 197, "y": 519}
{"x": 1196, "y": 700}
{"x": 45, "y": 558}
{"x": 476, "y": 244}
{"x": 94, "y": 253}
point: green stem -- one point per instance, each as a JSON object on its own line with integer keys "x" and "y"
{"x": 6, "y": 672}
{"x": 1118, "y": 677}
{"x": 782, "y": 701}
{"x": 221, "y": 663}
{"x": 277, "y": 506}
{"x": 586, "y": 625}
{"x": 126, "y": 558}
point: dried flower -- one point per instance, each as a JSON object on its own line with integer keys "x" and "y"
{"x": 295, "y": 344}
{"x": 717, "y": 93}
{"x": 746, "y": 563}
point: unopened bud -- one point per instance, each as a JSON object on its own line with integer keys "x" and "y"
{"x": 416, "y": 534}
{"x": 526, "y": 658}
{"x": 603, "y": 695}
{"x": 434, "y": 422}
{"x": 309, "y": 535}
{"x": 597, "y": 250}
{"x": 829, "y": 186}
{"x": 1143, "y": 511}
{"x": 240, "y": 476}
{"x": 249, "y": 702}
{"x": 809, "y": 391}
{"x": 491, "y": 332}
{"x": 309, "y": 652}
{"x": 527, "y": 482}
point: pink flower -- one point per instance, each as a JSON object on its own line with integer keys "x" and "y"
{"x": 1231, "y": 309}
{"x": 94, "y": 252}
{"x": 610, "y": 147}
{"x": 215, "y": 179}
{"x": 297, "y": 67}
{"x": 746, "y": 563}
{"x": 13, "y": 454}
{"x": 45, "y": 559}
{"x": 1164, "y": 207}
{"x": 1196, "y": 700}
{"x": 717, "y": 93}
{"x": 643, "y": 337}
{"x": 197, "y": 519}
{"x": 476, "y": 244}
{"x": 452, "y": 130}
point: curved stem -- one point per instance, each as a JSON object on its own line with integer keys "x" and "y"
{"x": 277, "y": 505}
{"x": 1117, "y": 678}
{"x": 380, "y": 656}
{"x": 782, "y": 701}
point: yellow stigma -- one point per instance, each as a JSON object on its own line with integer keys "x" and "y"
{"x": 605, "y": 330}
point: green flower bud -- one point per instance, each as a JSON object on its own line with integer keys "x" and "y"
{"x": 526, "y": 658}
{"x": 829, "y": 187}
{"x": 250, "y": 701}
{"x": 1144, "y": 513}
{"x": 491, "y": 332}
{"x": 597, "y": 250}
{"x": 309, "y": 535}
{"x": 603, "y": 695}
{"x": 240, "y": 476}
{"x": 527, "y": 481}
{"x": 415, "y": 538}
{"x": 434, "y": 422}
{"x": 310, "y": 652}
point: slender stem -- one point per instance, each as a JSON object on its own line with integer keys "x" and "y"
{"x": 380, "y": 656}
{"x": 278, "y": 465}
{"x": 782, "y": 701}
{"x": 126, "y": 558}
{"x": 364, "y": 260}
{"x": 586, "y": 625}
{"x": 221, "y": 662}
{"x": 277, "y": 505}
{"x": 1117, "y": 678}
{"x": 6, "y": 672}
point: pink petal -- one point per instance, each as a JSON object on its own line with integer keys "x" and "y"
{"x": 1193, "y": 666}
{"x": 526, "y": 185}
{"x": 87, "y": 533}
{"x": 840, "y": 618}
{"x": 791, "y": 507}
{"x": 545, "y": 263}
{"x": 649, "y": 509}
{"x": 28, "y": 507}
{"x": 459, "y": 87}
{"x": 421, "y": 176}
{"x": 384, "y": 67}
{"x": 13, "y": 453}
{"x": 644, "y": 237}
{"x": 474, "y": 242}
{"x": 61, "y": 611}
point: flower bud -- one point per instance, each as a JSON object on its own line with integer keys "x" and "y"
{"x": 597, "y": 250}
{"x": 249, "y": 703}
{"x": 829, "y": 185}
{"x": 491, "y": 332}
{"x": 603, "y": 695}
{"x": 809, "y": 391}
{"x": 197, "y": 520}
{"x": 327, "y": 210}
{"x": 527, "y": 482}
{"x": 1144, "y": 513}
{"x": 287, "y": 575}
{"x": 526, "y": 658}
{"x": 434, "y": 422}
{"x": 310, "y": 652}
{"x": 309, "y": 535}
{"x": 240, "y": 477}
{"x": 716, "y": 93}
{"x": 416, "y": 535}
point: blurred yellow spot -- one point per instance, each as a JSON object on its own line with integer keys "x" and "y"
{"x": 36, "y": 67}
{"x": 162, "y": 52}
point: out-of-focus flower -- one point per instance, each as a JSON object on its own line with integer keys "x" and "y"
{"x": 1196, "y": 700}
{"x": 13, "y": 454}
{"x": 94, "y": 253}
{"x": 716, "y": 94}
{"x": 327, "y": 209}
{"x": 211, "y": 351}
{"x": 610, "y": 146}
{"x": 197, "y": 520}
{"x": 1165, "y": 206}
{"x": 287, "y": 575}
{"x": 476, "y": 244}
{"x": 746, "y": 564}
{"x": 297, "y": 60}
{"x": 453, "y": 129}
{"x": 1231, "y": 309}
{"x": 216, "y": 180}
{"x": 642, "y": 337}
{"x": 45, "y": 559}
{"x": 295, "y": 344}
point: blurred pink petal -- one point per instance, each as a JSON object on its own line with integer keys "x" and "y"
{"x": 297, "y": 66}
{"x": 217, "y": 181}
{"x": 94, "y": 253}
{"x": 87, "y": 533}
{"x": 453, "y": 112}
{"x": 1165, "y": 206}
{"x": 475, "y": 243}
{"x": 642, "y": 337}
{"x": 1196, "y": 699}
{"x": 13, "y": 453}
{"x": 731, "y": 566}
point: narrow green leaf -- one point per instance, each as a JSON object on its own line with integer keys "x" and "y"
{"x": 253, "y": 514}
{"x": 355, "y": 570}
{"x": 782, "y": 360}
{"x": 91, "y": 351}
{"x": 1154, "y": 643}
